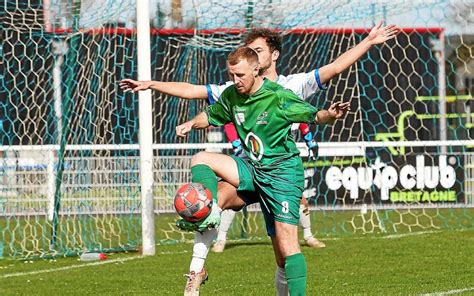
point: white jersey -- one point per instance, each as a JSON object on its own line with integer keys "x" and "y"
{"x": 302, "y": 84}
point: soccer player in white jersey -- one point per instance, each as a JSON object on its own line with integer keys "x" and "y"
{"x": 303, "y": 84}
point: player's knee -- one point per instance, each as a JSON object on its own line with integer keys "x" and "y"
{"x": 202, "y": 157}
{"x": 287, "y": 239}
{"x": 230, "y": 204}
{"x": 290, "y": 248}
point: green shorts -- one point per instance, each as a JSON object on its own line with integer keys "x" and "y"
{"x": 278, "y": 190}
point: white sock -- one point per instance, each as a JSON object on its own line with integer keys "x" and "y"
{"x": 226, "y": 220}
{"x": 281, "y": 285}
{"x": 305, "y": 222}
{"x": 202, "y": 243}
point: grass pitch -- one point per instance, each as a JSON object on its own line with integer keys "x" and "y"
{"x": 406, "y": 264}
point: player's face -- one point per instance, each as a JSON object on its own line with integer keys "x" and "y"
{"x": 243, "y": 75}
{"x": 265, "y": 56}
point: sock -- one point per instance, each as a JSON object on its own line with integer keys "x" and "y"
{"x": 202, "y": 243}
{"x": 203, "y": 174}
{"x": 295, "y": 267}
{"x": 305, "y": 222}
{"x": 281, "y": 285}
{"x": 226, "y": 220}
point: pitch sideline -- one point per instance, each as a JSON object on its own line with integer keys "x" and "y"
{"x": 119, "y": 260}
{"x": 450, "y": 292}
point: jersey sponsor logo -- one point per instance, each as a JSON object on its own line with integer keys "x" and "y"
{"x": 261, "y": 118}
{"x": 255, "y": 145}
{"x": 285, "y": 217}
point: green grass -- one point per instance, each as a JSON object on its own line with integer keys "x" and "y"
{"x": 30, "y": 236}
{"x": 411, "y": 264}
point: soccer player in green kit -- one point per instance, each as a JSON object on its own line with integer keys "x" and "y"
{"x": 262, "y": 112}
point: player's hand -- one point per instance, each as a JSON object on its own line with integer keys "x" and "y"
{"x": 133, "y": 85}
{"x": 379, "y": 35}
{"x": 338, "y": 110}
{"x": 211, "y": 221}
{"x": 237, "y": 147}
{"x": 183, "y": 129}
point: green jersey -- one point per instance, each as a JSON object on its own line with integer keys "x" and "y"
{"x": 263, "y": 120}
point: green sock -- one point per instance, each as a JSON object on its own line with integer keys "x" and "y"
{"x": 203, "y": 174}
{"x": 295, "y": 268}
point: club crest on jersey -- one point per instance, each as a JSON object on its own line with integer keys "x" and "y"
{"x": 239, "y": 118}
{"x": 255, "y": 145}
{"x": 261, "y": 118}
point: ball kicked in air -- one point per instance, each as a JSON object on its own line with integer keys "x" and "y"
{"x": 193, "y": 202}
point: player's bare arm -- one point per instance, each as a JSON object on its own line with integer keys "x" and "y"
{"x": 178, "y": 89}
{"x": 335, "y": 111}
{"x": 376, "y": 36}
{"x": 198, "y": 122}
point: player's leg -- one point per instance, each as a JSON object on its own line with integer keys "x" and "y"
{"x": 305, "y": 223}
{"x": 286, "y": 243}
{"x": 197, "y": 274}
{"x": 281, "y": 284}
{"x": 290, "y": 274}
{"x": 227, "y": 199}
{"x": 280, "y": 207}
{"x": 230, "y": 201}
{"x": 227, "y": 216}
{"x": 204, "y": 168}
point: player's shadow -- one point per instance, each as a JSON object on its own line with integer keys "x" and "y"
{"x": 237, "y": 244}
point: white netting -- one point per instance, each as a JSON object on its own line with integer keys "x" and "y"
{"x": 61, "y": 61}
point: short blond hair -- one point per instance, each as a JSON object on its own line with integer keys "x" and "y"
{"x": 243, "y": 53}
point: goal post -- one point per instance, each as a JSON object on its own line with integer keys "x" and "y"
{"x": 89, "y": 167}
{"x": 145, "y": 134}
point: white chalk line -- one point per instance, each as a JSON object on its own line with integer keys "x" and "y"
{"x": 118, "y": 260}
{"x": 391, "y": 236}
{"x": 450, "y": 292}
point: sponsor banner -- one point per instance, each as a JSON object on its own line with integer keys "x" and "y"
{"x": 397, "y": 180}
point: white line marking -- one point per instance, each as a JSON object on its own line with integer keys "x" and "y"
{"x": 391, "y": 236}
{"x": 408, "y": 234}
{"x": 118, "y": 260}
{"x": 451, "y": 292}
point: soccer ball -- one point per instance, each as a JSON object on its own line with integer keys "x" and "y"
{"x": 193, "y": 202}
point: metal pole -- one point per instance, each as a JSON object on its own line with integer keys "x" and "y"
{"x": 145, "y": 130}
{"x": 442, "y": 92}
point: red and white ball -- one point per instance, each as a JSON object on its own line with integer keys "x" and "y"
{"x": 193, "y": 202}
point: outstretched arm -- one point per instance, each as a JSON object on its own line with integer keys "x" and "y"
{"x": 198, "y": 122}
{"x": 178, "y": 89}
{"x": 376, "y": 36}
{"x": 335, "y": 111}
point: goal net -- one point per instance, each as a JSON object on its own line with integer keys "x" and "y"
{"x": 69, "y": 160}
